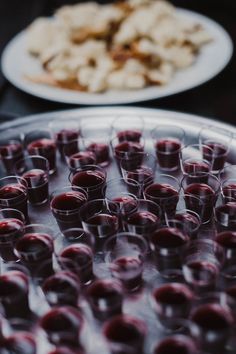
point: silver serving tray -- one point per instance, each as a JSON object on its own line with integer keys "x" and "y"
{"x": 136, "y": 305}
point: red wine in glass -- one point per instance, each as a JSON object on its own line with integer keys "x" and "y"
{"x": 103, "y": 225}
{"x": 206, "y": 194}
{"x": 227, "y": 239}
{"x": 125, "y": 335}
{"x": 65, "y": 208}
{"x": 143, "y": 222}
{"x": 217, "y": 154}
{"x": 101, "y": 151}
{"x": 11, "y": 230}
{"x": 191, "y": 166}
{"x": 129, "y": 135}
{"x": 128, "y": 270}
{"x": 172, "y": 301}
{"x": 45, "y": 148}
{"x": 127, "y": 204}
{"x": 167, "y": 152}
{"x": 127, "y": 150}
{"x": 215, "y": 323}
{"x": 105, "y": 298}
{"x": 231, "y": 291}
{"x": 190, "y": 222}
{"x": 14, "y": 196}
{"x": 229, "y": 192}
{"x": 143, "y": 175}
{"x": 78, "y": 258}
{"x": 20, "y": 343}
{"x": 169, "y": 238}
{"x": 65, "y": 136}
{"x": 62, "y": 288}
{"x": 33, "y": 249}
{"x": 164, "y": 195}
{"x": 63, "y": 326}
{"x": 14, "y": 289}
{"x": 201, "y": 274}
{"x": 10, "y": 153}
{"x": 81, "y": 159}
{"x": 167, "y": 245}
{"x": 178, "y": 344}
{"x": 37, "y": 181}
{"x": 92, "y": 181}
{"x": 225, "y": 216}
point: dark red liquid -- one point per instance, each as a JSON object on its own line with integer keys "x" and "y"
{"x": 101, "y": 152}
{"x": 20, "y": 343}
{"x": 127, "y": 149}
{"x": 129, "y": 135}
{"x": 232, "y": 291}
{"x": 200, "y": 190}
{"x": 229, "y": 192}
{"x": 143, "y": 222}
{"x": 215, "y": 322}
{"x": 62, "y": 288}
{"x": 129, "y": 271}
{"x": 33, "y": 249}
{"x": 189, "y": 222}
{"x": 14, "y": 196}
{"x": 143, "y": 175}
{"x": 127, "y": 332}
{"x": 65, "y": 208}
{"x": 167, "y": 151}
{"x": 63, "y": 325}
{"x": 169, "y": 238}
{"x": 225, "y": 216}
{"x": 126, "y": 204}
{"x": 37, "y": 181}
{"x": 14, "y": 294}
{"x": 212, "y": 317}
{"x": 132, "y": 161}
{"x": 178, "y": 344}
{"x": 217, "y": 156}
{"x": 65, "y": 136}
{"x": 192, "y": 167}
{"x": 78, "y": 258}
{"x": 172, "y": 301}
{"x": 45, "y": 148}
{"x": 203, "y": 274}
{"x": 10, "y": 154}
{"x": 207, "y": 196}
{"x": 10, "y": 231}
{"x": 167, "y": 245}
{"x": 92, "y": 181}
{"x": 81, "y": 159}
{"x": 103, "y": 225}
{"x": 164, "y": 195}
{"x": 105, "y": 298}
{"x": 227, "y": 240}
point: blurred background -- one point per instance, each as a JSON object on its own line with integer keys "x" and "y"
{"x": 216, "y": 98}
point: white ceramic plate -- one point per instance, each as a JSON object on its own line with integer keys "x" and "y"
{"x": 16, "y": 62}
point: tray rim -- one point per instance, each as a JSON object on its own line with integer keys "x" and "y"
{"x": 97, "y": 113}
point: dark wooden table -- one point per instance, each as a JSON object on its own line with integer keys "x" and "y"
{"x": 216, "y": 98}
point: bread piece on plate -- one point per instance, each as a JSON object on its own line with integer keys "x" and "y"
{"x": 43, "y": 33}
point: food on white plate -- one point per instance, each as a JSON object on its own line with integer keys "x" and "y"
{"x": 127, "y": 45}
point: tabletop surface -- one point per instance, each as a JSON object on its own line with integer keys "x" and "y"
{"x": 215, "y": 99}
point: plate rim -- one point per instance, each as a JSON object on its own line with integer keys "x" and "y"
{"x": 97, "y": 112}
{"x": 99, "y": 99}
